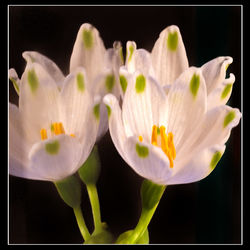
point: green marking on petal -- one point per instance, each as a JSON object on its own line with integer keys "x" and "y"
{"x": 215, "y": 159}
{"x": 108, "y": 110}
{"x": 228, "y": 118}
{"x": 80, "y": 82}
{"x": 142, "y": 151}
{"x": 53, "y": 147}
{"x": 123, "y": 82}
{"x": 96, "y": 111}
{"x": 15, "y": 85}
{"x": 158, "y": 130}
{"x": 52, "y": 128}
{"x": 131, "y": 51}
{"x": 33, "y": 80}
{"x": 140, "y": 84}
{"x": 194, "y": 84}
{"x": 226, "y": 91}
{"x": 110, "y": 82}
{"x": 88, "y": 39}
{"x": 172, "y": 41}
{"x": 121, "y": 55}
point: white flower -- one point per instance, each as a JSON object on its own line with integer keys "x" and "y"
{"x": 101, "y": 65}
{"x": 54, "y": 129}
{"x": 177, "y": 135}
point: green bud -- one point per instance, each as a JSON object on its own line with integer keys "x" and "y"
{"x": 70, "y": 190}
{"x": 151, "y": 194}
{"x": 104, "y": 237}
{"x": 90, "y": 170}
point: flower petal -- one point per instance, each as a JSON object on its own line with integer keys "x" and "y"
{"x": 147, "y": 160}
{"x": 116, "y": 127}
{"x": 75, "y": 104}
{"x": 222, "y": 93}
{"x": 198, "y": 167}
{"x": 88, "y": 51}
{"x": 187, "y": 105}
{"x": 169, "y": 55}
{"x": 56, "y": 158}
{"x": 15, "y": 80}
{"x": 46, "y": 63}
{"x": 38, "y": 101}
{"x": 144, "y": 105}
{"x": 214, "y": 72}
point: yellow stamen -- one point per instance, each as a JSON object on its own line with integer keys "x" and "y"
{"x": 43, "y": 134}
{"x": 73, "y": 135}
{"x": 167, "y": 143}
{"x": 57, "y": 128}
{"x": 140, "y": 138}
{"x": 154, "y": 135}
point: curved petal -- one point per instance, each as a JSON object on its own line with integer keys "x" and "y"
{"x": 88, "y": 51}
{"x": 214, "y": 71}
{"x": 15, "y": 80}
{"x": 198, "y": 167}
{"x": 144, "y": 105}
{"x": 47, "y": 64}
{"x": 75, "y": 103}
{"x": 38, "y": 101}
{"x": 147, "y": 160}
{"x": 169, "y": 56}
{"x": 56, "y": 158}
{"x": 222, "y": 93}
{"x": 116, "y": 127}
{"x": 187, "y": 105}
{"x": 130, "y": 49}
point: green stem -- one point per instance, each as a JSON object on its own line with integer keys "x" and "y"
{"x": 142, "y": 225}
{"x": 94, "y": 200}
{"x": 81, "y": 223}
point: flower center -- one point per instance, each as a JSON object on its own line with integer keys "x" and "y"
{"x": 56, "y": 128}
{"x": 159, "y": 138}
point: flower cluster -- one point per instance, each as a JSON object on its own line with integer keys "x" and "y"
{"x": 169, "y": 121}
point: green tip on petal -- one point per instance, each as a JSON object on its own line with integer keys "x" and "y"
{"x": 215, "y": 159}
{"x": 14, "y": 82}
{"x": 80, "y": 82}
{"x": 110, "y": 82}
{"x": 88, "y": 39}
{"x": 131, "y": 51}
{"x": 172, "y": 41}
{"x": 142, "y": 151}
{"x": 96, "y": 111}
{"x": 33, "y": 80}
{"x": 108, "y": 110}
{"x": 140, "y": 84}
{"x": 228, "y": 118}
{"x": 123, "y": 82}
{"x": 194, "y": 84}
{"x": 52, "y": 148}
{"x": 226, "y": 91}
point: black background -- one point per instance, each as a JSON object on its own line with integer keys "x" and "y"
{"x": 208, "y": 211}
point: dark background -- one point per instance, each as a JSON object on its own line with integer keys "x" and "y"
{"x": 208, "y": 211}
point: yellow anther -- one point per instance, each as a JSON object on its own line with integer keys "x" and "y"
{"x": 62, "y": 131}
{"x": 154, "y": 135}
{"x": 43, "y": 134}
{"x": 72, "y": 135}
{"x": 57, "y": 128}
{"x": 140, "y": 138}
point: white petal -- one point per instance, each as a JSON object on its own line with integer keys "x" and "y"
{"x": 214, "y": 72}
{"x": 46, "y": 63}
{"x": 75, "y": 104}
{"x": 169, "y": 56}
{"x": 55, "y": 158}
{"x": 222, "y": 93}
{"x": 198, "y": 167}
{"x": 20, "y": 142}
{"x": 15, "y": 80}
{"x": 147, "y": 160}
{"x": 38, "y": 101}
{"x": 187, "y": 105}
{"x": 144, "y": 105}
{"x": 125, "y": 78}
{"x": 116, "y": 127}
{"x": 88, "y": 51}
{"x": 130, "y": 49}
